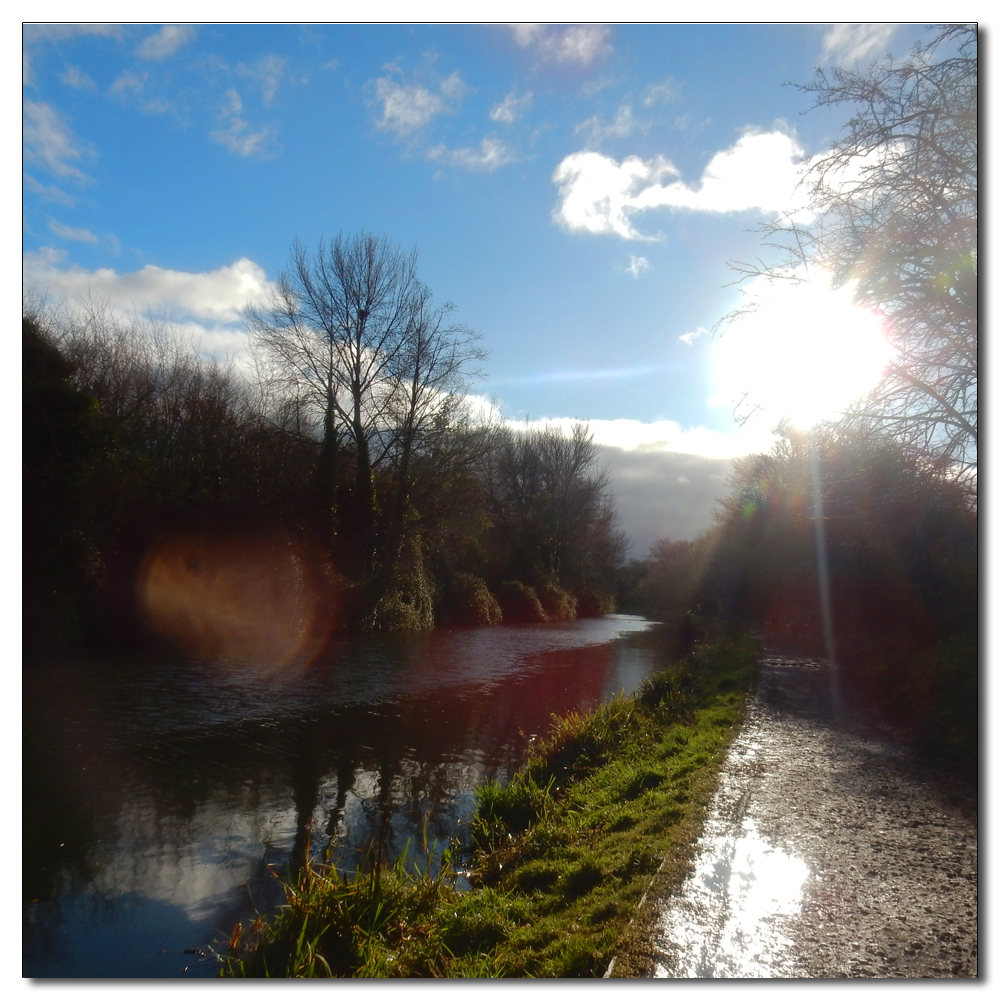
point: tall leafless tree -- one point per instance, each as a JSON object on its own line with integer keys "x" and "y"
{"x": 352, "y": 330}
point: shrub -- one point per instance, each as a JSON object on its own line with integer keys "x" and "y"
{"x": 559, "y": 605}
{"x": 519, "y": 604}
{"x": 468, "y": 601}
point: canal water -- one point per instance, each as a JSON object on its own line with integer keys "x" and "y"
{"x": 162, "y": 799}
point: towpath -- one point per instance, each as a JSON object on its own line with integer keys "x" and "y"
{"x": 826, "y": 854}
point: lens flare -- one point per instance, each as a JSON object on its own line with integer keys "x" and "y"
{"x": 259, "y": 600}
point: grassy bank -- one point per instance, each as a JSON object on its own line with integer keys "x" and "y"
{"x": 561, "y": 857}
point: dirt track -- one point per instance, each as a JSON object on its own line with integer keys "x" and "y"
{"x": 827, "y": 854}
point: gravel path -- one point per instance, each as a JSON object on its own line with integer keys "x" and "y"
{"x": 826, "y": 854}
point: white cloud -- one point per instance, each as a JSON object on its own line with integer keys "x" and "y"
{"x": 48, "y": 140}
{"x": 511, "y": 108}
{"x": 75, "y": 77}
{"x": 666, "y": 478}
{"x": 490, "y": 155}
{"x": 662, "y": 436}
{"x": 68, "y": 233}
{"x": 847, "y": 44}
{"x": 596, "y": 193}
{"x": 48, "y": 192}
{"x": 165, "y": 42}
{"x": 407, "y": 108}
{"x": 578, "y": 43}
{"x": 692, "y": 335}
{"x": 212, "y": 295}
{"x": 661, "y": 93}
{"x": 237, "y": 136}
{"x": 623, "y": 125}
{"x": 637, "y": 265}
{"x": 128, "y": 82}
{"x": 761, "y": 171}
{"x": 58, "y": 31}
{"x": 267, "y": 71}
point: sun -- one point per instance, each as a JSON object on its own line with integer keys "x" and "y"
{"x": 803, "y": 352}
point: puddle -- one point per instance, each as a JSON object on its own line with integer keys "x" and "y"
{"x": 726, "y": 922}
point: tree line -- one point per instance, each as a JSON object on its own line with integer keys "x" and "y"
{"x": 350, "y": 431}
{"x": 859, "y": 539}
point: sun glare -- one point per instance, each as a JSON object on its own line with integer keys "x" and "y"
{"x": 804, "y": 353}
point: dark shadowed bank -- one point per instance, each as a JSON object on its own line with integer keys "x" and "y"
{"x": 172, "y": 498}
{"x": 560, "y": 857}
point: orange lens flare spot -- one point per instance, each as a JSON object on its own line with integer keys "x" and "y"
{"x": 258, "y": 600}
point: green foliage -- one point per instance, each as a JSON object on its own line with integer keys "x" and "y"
{"x": 404, "y": 600}
{"x": 592, "y": 603}
{"x": 670, "y": 578}
{"x": 468, "y": 601}
{"x": 562, "y": 854}
{"x": 519, "y": 603}
{"x": 558, "y": 604}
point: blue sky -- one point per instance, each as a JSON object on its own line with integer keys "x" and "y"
{"x": 575, "y": 190}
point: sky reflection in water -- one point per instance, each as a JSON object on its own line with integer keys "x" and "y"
{"x": 726, "y": 923}
{"x": 160, "y": 795}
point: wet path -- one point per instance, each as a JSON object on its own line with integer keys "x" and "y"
{"x": 826, "y": 855}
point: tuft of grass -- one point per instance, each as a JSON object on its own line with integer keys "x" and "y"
{"x": 562, "y": 855}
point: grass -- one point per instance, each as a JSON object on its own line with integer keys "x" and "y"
{"x": 562, "y": 855}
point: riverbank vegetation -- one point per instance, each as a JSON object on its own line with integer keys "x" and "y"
{"x": 560, "y": 856}
{"x": 347, "y": 455}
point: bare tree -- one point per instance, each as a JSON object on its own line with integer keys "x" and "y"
{"x": 553, "y": 507}
{"x": 352, "y": 331}
{"x": 431, "y": 373}
{"x": 895, "y": 205}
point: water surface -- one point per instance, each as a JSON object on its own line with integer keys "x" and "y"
{"x": 161, "y": 797}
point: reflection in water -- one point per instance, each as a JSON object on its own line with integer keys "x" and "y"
{"x": 160, "y": 799}
{"x": 725, "y": 927}
{"x": 726, "y": 922}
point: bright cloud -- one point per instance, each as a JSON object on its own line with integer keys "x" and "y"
{"x": 761, "y": 171}
{"x": 237, "y": 136}
{"x": 596, "y": 194}
{"x": 165, "y": 42}
{"x": 847, "y": 44}
{"x": 407, "y": 108}
{"x": 579, "y": 43}
{"x": 490, "y": 155}
{"x": 68, "y": 233}
{"x": 692, "y": 335}
{"x": 48, "y": 140}
{"x": 662, "y": 435}
{"x": 212, "y": 295}
{"x": 511, "y": 108}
